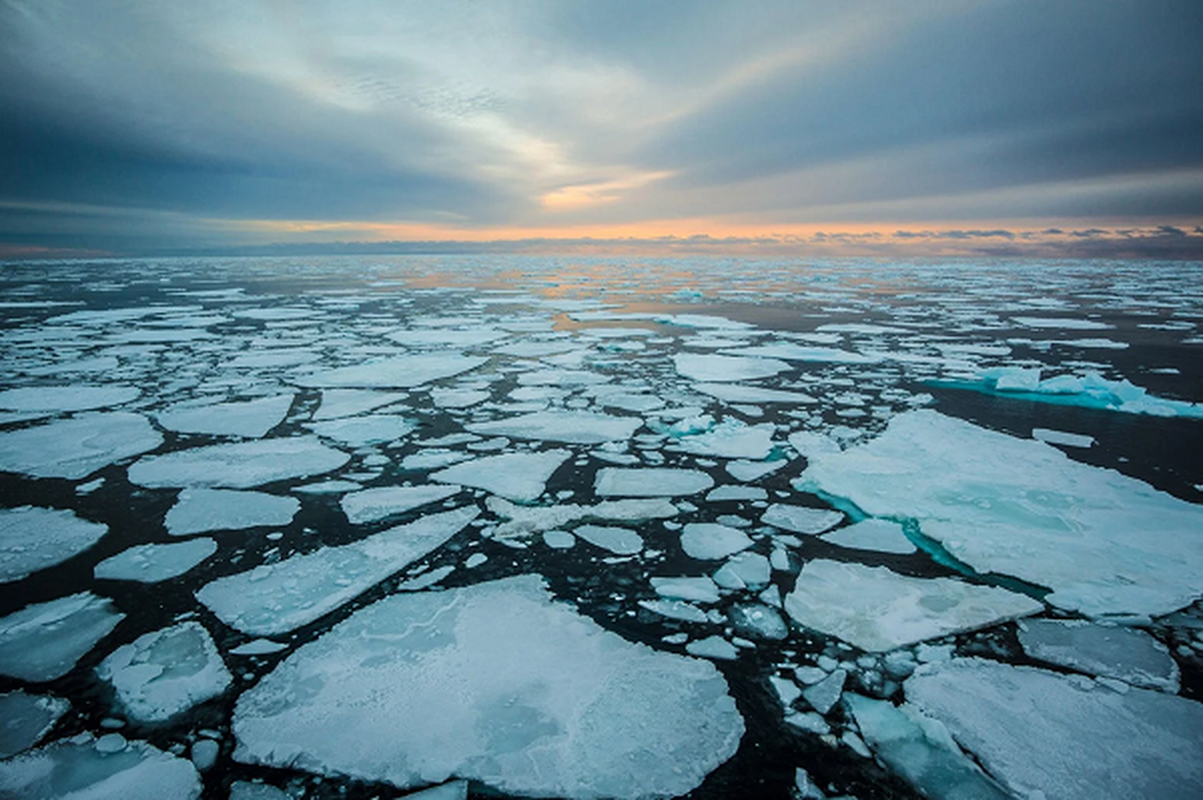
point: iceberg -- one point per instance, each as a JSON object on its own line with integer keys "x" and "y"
{"x": 75, "y": 448}
{"x": 578, "y": 427}
{"x": 373, "y": 505}
{"x": 495, "y": 683}
{"x": 202, "y": 510}
{"x": 33, "y": 539}
{"x": 250, "y": 419}
{"x": 520, "y": 477}
{"x": 650, "y": 482}
{"x": 152, "y": 563}
{"x": 877, "y": 610}
{"x": 237, "y": 466}
{"x": 43, "y": 641}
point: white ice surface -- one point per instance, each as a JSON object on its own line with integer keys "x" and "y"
{"x": 201, "y": 510}
{"x": 397, "y": 372}
{"x": 1103, "y": 542}
{"x": 276, "y": 598}
{"x": 42, "y": 642}
{"x": 796, "y": 352}
{"x": 735, "y": 393}
{"x": 249, "y": 418}
{"x": 697, "y": 590}
{"x": 650, "y": 482}
{"x": 75, "y": 448}
{"x": 621, "y": 541}
{"x": 712, "y": 647}
{"x": 25, "y": 719}
{"x": 167, "y": 671}
{"x": 1062, "y": 323}
{"x": 743, "y": 571}
{"x": 720, "y": 369}
{"x": 1109, "y": 651}
{"x": 373, "y": 505}
{"x": 731, "y": 439}
{"x": 801, "y": 519}
{"x": 710, "y": 541}
{"x": 360, "y": 431}
{"x": 239, "y": 466}
{"x": 338, "y": 403}
{"x": 881, "y": 535}
{"x": 877, "y": 609}
{"x": 495, "y": 683}
{"x": 33, "y": 539}
{"x": 579, "y": 427}
{"x": 83, "y": 768}
{"x": 151, "y": 563}
{"x": 536, "y": 519}
{"x": 1062, "y": 438}
{"x": 749, "y": 471}
{"x": 520, "y": 477}
{"x": 1044, "y": 734}
{"x": 55, "y": 399}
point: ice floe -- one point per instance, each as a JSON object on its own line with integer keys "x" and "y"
{"x": 239, "y": 465}
{"x": 535, "y": 519}
{"x": 1108, "y": 651}
{"x": 1089, "y": 391}
{"x": 579, "y": 427}
{"x": 85, "y": 768}
{"x": 1062, "y": 438}
{"x": 796, "y": 352}
{"x": 152, "y": 563}
{"x": 373, "y": 505}
{"x": 621, "y": 541}
{"x": 57, "y": 399}
{"x": 520, "y": 477}
{"x": 25, "y": 719}
{"x": 397, "y": 372}
{"x": 360, "y": 431}
{"x": 741, "y": 571}
{"x": 75, "y": 448}
{"x": 165, "y": 672}
{"x": 881, "y": 535}
{"x": 736, "y": 393}
{"x": 42, "y": 642}
{"x": 494, "y": 683}
{"x": 730, "y": 439}
{"x": 710, "y": 541}
{"x": 33, "y": 538}
{"x": 1023, "y": 508}
{"x": 650, "y": 482}
{"x": 720, "y": 369}
{"x": 276, "y": 598}
{"x": 697, "y": 590}
{"x": 349, "y": 402}
{"x": 801, "y": 519}
{"x": 877, "y": 609}
{"x": 203, "y": 510}
{"x": 249, "y": 419}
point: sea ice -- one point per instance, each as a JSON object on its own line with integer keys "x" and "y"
{"x": 151, "y": 563}
{"x": 724, "y": 493}
{"x": 1103, "y": 542}
{"x": 520, "y": 477}
{"x": 239, "y": 466}
{"x": 42, "y": 642}
{"x": 1062, "y": 438}
{"x": 202, "y": 510}
{"x": 443, "y": 338}
{"x": 57, "y": 399}
{"x": 1045, "y": 734}
{"x": 33, "y": 539}
{"x": 722, "y": 369}
{"x": 877, "y": 610}
{"x": 675, "y": 609}
{"x": 373, "y": 505}
{"x": 535, "y": 519}
{"x": 749, "y": 471}
{"x": 651, "y": 482}
{"x": 880, "y": 535}
{"x": 731, "y": 439}
{"x": 167, "y": 671}
{"x": 710, "y": 541}
{"x": 796, "y": 352}
{"x": 397, "y": 372}
{"x": 697, "y": 590}
{"x": 620, "y": 541}
{"x": 801, "y": 519}
{"x": 83, "y": 768}
{"x": 25, "y": 719}
{"x": 743, "y": 571}
{"x": 824, "y": 694}
{"x": 734, "y": 393}
{"x": 75, "y": 448}
{"x": 760, "y": 621}
{"x": 338, "y": 403}
{"x": 494, "y": 683}
{"x": 276, "y": 598}
{"x": 579, "y": 427}
{"x": 712, "y": 647}
{"x": 360, "y": 431}
{"x": 244, "y": 790}
{"x": 1062, "y": 323}
{"x": 1126, "y": 654}
{"x": 250, "y": 419}
{"x": 458, "y": 398}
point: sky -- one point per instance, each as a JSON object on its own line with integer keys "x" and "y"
{"x": 925, "y": 127}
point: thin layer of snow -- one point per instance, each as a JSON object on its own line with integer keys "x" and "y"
{"x": 877, "y": 609}
{"x": 721, "y": 369}
{"x": 250, "y": 419}
{"x": 276, "y": 598}
{"x": 801, "y": 519}
{"x": 43, "y": 641}
{"x": 26, "y": 718}
{"x": 33, "y": 539}
{"x": 1109, "y": 651}
{"x": 75, "y": 448}
{"x": 238, "y": 466}
{"x": 710, "y": 541}
{"x": 520, "y": 477}
{"x": 373, "y": 505}
{"x": 398, "y": 372}
{"x": 579, "y": 427}
{"x": 881, "y": 535}
{"x": 83, "y": 768}
{"x": 202, "y": 510}
{"x": 650, "y": 482}
{"x": 494, "y": 683}
{"x": 152, "y": 563}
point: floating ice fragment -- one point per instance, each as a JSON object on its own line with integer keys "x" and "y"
{"x": 1126, "y": 654}
{"x": 494, "y": 683}
{"x": 823, "y": 695}
{"x": 373, "y": 505}
{"x": 151, "y": 563}
{"x": 621, "y": 541}
{"x": 749, "y": 471}
{"x": 25, "y": 719}
{"x": 444, "y": 339}
{"x": 743, "y": 571}
{"x": 75, "y": 448}
{"x": 580, "y": 427}
{"x": 349, "y": 402}
{"x": 42, "y": 642}
{"x": 652, "y": 482}
{"x": 250, "y": 419}
{"x": 258, "y": 647}
{"x": 796, "y": 352}
{"x": 458, "y": 398}
{"x": 244, "y": 790}
{"x": 713, "y": 647}
{"x": 709, "y": 541}
{"x": 880, "y": 535}
{"x": 201, "y": 510}
{"x": 1063, "y": 323}
{"x": 675, "y": 609}
{"x": 734, "y": 393}
{"x": 398, "y": 372}
{"x": 1062, "y": 438}
{"x": 801, "y": 519}
{"x": 82, "y": 769}
{"x": 559, "y": 540}
{"x": 520, "y": 477}
{"x": 533, "y": 519}
{"x": 360, "y": 431}
{"x": 164, "y": 672}
{"x": 725, "y": 493}
{"x": 33, "y": 539}
{"x": 731, "y": 439}
{"x": 876, "y": 609}
{"x": 239, "y": 465}
{"x": 758, "y": 621}
{"x": 713, "y": 368}
{"x": 698, "y": 590}
{"x": 57, "y": 399}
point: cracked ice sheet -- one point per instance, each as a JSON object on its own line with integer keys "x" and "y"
{"x": 75, "y": 448}
{"x": 578, "y": 427}
{"x": 250, "y": 419}
{"x": 1023, "y": 508}
{"x": 1065, "y": 736}
{"x": 33, "y": 539}
{"x": 496, "y": 683}
{"x": 276, "y": 598}
{"x": 398, "y": 372}
{"x": 42, "y": 642}
{"x": 83, "y": 768}
{"x": 238, "y": 466}
{"x": 520, "y": 477}
{"x": 202, "y": 510}
{"x": 877, "y": 610}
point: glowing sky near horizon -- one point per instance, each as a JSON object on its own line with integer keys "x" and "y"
{"x": 141, "y": 125}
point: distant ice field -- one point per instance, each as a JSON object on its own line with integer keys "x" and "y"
{"x": 451, "y": 527}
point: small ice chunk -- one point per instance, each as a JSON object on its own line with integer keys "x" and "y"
{"x": 533, "y": 519}
{"x": 452, "y": 790}
{"x": 475, "y": 560}
{"x": 650, "y": 482}
{"x": 796, "y": 352}
{"x": 398, "y": 372}
{"x": 75, "y": 448}
{"x": 736, "y": 393}
{"x": 204, "y": 753}
{"x": 258, "y": 647}
{"x": 1062, "y": 438}
{"x": 245, "y": 790}
{"x": 698, "y": 590}
{"x": 621, "y": 541}
{"x": 801, "y": 519}
{"x": 559, "y": 540}
{"x": 82, "y": 769}
{"x": 238, "y": 466}
{"x": 433, "y": 458}
{"x": 823, "y": 695}
{"x": 458, "y": 398}
{"x": 712, "y": 647}
{"x": 710, "y": 541}
{"x": 1062, "y": 323}
{"x": 744, "y": 571}
{"x": 33, "y": 539}
{"x": 724, "y": 369}
{"x": 876, "y": 609}
{"x": 361, "y": 431}
{"x": 675, "y": 609}
{"x": 579, "y": 427}
{"x": 42, "y": 642}
{"x": 373, "y": 505}
{"x": 165, "y": 672}
{"x": 758, "y": 621}
{"x": 58, "y": 399}
{"x": 880, "y": 535}
{"x": 152, "y": 563}
{"x": 749, "y": 471}
{"x": 786, "y": 690}
{"x": 276, "y": 598}
{"x": 520, "y": 477}
{"x": 251, "y": 419}
{"x": 202, "y": 510}
{"x": 1126, "y": 654}
{"x": 25, "y": 719}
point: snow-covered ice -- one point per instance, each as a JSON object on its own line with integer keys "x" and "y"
{"x": 621, "y": 541}
{"x": 34, "y": 538}
{"x": 731, "y": 439}
{"x": 152, "y": 563}
{"x": 495, "y": 683}
{"x": 1062, "y": 438}
{"x": 720, "y": 369}
{"x": 877, "y": 609}
{"x": 520, "y": 477}
{"x": 75, "y": 448}
{"x": 43, "y": 641}
{"x": 338, "y": 403}
{"x": 84, "y": 768}
{"x": 535, "y": 519}
{"x": 373, "y": 505}
{"x": 249, "y": 419}
{"x": 579, "y": 427}
{"x": 276, "y": 598}
{"x": 164, "y": 672}
{"x": 1109, "y": 651}
{"x": 397, "y": 372}
{"x": 650, "y": 482}
{"x": 239, "y": 465}
{"x": 710, "y": 541}
{"x": 360, "y": 431}
{"x": 881, "y": 535}
{"x": 202, "y": 510}
{"x": 25, "y": 719}
{"x": 801, "y": 519}
{"x": 57, "y": 399}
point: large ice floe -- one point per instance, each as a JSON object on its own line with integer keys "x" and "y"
{"x": 248, "y": 418}
{"x": 396, "y": 372}
{"x": 202, "y": 510}
{"x": 276, "y": 598}
{"x": 32, "y": 539}
{"x": 1090, "y": 390}
{"x": 56, "y": 399}
{"x": 372, "y": 505}
{"x": 520, "y": 477}
{"x": 75, "y": 448}
{"x": 152, "y": 563}
{"x": 1103, "y": 543}
{"x": 495, "y": 683}
{"x": 86, "y": 768}
{"x": 239, "y": 465}
{"x": 580, "y": 427}
{"x": 42, "y": 642}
